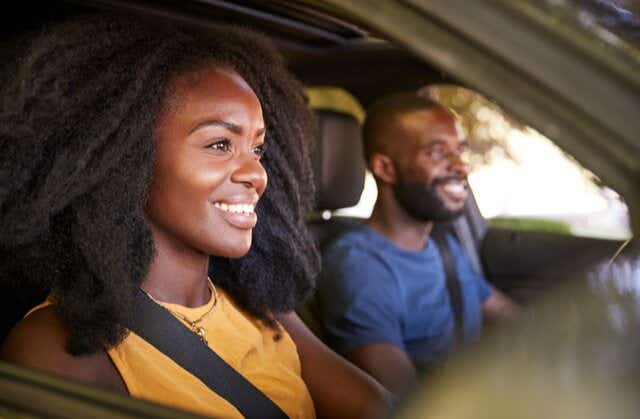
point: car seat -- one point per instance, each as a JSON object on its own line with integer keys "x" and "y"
{"x": 339, "y": 170}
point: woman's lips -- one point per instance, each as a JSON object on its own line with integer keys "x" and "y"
{"x": 241, "y": 216}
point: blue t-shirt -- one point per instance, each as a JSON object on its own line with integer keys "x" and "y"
{"x": 371, "y": 291}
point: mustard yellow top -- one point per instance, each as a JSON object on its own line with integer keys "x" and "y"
{"x": 238, "y": 338}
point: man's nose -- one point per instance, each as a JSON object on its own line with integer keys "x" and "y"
{"x": 250, "y": 172}
{"x": 458, "y": 164}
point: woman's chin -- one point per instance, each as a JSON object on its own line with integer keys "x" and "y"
{"x": 232, "y": 250}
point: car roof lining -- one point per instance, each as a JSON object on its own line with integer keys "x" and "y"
{"x": 320, "y": 49}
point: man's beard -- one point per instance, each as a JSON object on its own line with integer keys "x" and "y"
{"x": 423, "y": 202}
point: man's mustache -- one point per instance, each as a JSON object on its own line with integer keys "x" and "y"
{"x": 442, "y": 180}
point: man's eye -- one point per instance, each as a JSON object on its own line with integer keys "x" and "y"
{"x": 222, "y": 145}
{"x": 436, "y": 153}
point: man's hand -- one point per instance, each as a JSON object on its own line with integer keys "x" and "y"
{"x": 387, "y": 363}
{"x": 499, "y": 308}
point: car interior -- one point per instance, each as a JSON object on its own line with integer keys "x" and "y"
{"x": 324, "y": 50}
{"x": 317, "y": 47}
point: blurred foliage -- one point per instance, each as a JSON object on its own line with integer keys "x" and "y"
{"x": 487, "y": 127}
{"x": 530, "y": 224}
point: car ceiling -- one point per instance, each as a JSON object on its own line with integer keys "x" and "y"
{"x": 320, "y": 49}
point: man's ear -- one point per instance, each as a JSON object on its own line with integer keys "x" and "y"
{"x": 383, "y": 168}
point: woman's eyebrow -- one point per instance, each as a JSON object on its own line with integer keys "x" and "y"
{"x": 229, "y": 126}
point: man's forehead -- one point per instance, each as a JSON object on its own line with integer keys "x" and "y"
{"x": 427, "y": 123}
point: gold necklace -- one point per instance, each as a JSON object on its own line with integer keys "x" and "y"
{"x": 193, "y": 324}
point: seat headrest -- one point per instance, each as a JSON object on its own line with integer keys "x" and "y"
{"x": 338, "y": 161}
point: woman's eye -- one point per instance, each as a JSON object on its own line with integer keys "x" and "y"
{"x": 259, "y": 150}
{"x": 222, "y": 145}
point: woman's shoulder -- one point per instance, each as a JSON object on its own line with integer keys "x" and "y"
{"x": 38, "y": 338}
{"x": 38, "y": 341}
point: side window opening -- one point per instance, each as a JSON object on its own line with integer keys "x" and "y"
{"x": 520, "y": 179}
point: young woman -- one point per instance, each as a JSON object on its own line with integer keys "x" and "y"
{"x": 136, "y": 156}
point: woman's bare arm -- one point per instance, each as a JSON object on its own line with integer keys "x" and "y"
{"x": 38, "y": 342}
{"x": 338, "y": 388}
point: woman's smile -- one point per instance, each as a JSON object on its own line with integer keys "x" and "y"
{"x": 240, "y": 213}
{"x": 208, "y": 176}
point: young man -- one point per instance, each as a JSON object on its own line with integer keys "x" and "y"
{"x": 383, "y": 293}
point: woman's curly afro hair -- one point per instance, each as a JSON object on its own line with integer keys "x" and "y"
{"x": 76, "y": 156}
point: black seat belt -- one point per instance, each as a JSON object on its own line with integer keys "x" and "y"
{"x": 453, "y": 285}
{"x": 157, "y": 326}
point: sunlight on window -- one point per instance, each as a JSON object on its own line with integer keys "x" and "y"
{"x": 541, "y": 182}
{"x": 518, "y": 177}
{"x": 368, "y": 198}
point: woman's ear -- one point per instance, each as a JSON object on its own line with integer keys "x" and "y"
{"x": 383, "y": 168}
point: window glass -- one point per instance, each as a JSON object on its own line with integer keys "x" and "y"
{"x": 368, "y": 198}
{"x": 520, "y": 179}
{"x": 544, "y": 189}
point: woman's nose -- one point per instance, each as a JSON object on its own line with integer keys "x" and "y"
{"x": 250, "y": 172}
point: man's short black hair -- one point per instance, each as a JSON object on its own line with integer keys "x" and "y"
{"x": 385, "y": 111}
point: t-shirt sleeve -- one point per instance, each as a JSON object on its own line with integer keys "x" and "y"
{"x": 358, "y": 300}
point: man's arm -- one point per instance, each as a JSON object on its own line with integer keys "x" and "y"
{"x": 498, "y": 307}
{"x": 387, "y": 363}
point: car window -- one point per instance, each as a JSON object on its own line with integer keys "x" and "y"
{"x": 519, "y": 178}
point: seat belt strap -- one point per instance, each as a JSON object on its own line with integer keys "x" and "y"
{"x": 158, "y": 327}
{"x": 453, "y": 285}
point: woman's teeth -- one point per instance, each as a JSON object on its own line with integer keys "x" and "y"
{"x": 235, "y": 208}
